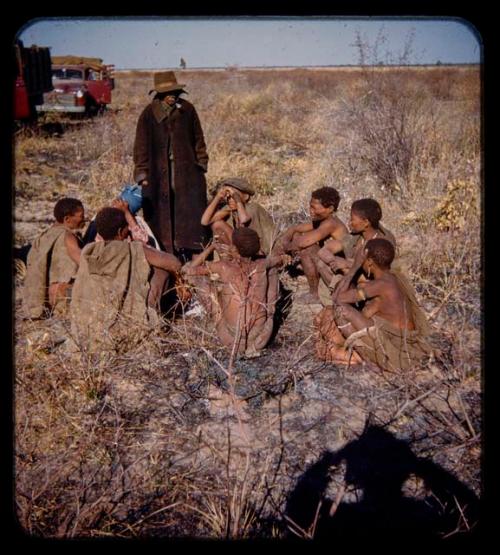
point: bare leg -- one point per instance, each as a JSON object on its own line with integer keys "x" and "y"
{"x": 265, "y": 330}
{"x": 273, "y": 289}
{"x": 325, "y": 322}
{"x": 158, "y": 286}
{"x": 307, "y": 257}
{"x": 325, "y": 272}
{"x": 354, "y": 317}
{"x": 227, "y": 338}
{"x": 333, "y": 262}
{"x": 326, "y": 254}
{"x": 330, "y": 342}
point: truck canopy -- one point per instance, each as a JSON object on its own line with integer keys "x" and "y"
{"x": 92, "y": 63}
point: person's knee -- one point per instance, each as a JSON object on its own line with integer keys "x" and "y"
{"x": 324, "y": 255}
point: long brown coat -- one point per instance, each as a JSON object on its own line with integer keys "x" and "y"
{"x": 174, "y": 218}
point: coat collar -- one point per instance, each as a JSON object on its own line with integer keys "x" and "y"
{"x": 159, "y": 113}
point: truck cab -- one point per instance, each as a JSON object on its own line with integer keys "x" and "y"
{"x": 81, "y": 86}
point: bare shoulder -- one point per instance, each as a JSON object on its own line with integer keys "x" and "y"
{"x": 339, "y": 224}
{"x": 387, "y": 285}
{"x": 70, "y": 238}
{"x": 326, "y": 227}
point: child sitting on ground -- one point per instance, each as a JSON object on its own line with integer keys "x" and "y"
{"x": 391, "y": 329}
{"x": 306, "y": 239}
{"x": 239, "y": 211}
{"x": 365, "y": 224}
{"x": 111, "y": 291}
{"x": 243, "y": 303}
{"x": 53, "y": 260}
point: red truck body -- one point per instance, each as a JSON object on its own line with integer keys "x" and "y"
{"x": 32, "y": 80}
{"x": 81, "y": 85}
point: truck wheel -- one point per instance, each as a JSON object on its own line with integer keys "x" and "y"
{"x": 91, "y": 108}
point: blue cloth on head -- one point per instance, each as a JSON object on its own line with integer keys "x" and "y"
{"x": 133, "y": 195}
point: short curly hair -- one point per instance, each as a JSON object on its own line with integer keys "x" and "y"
{"x": 369, "y": 209}
{"x": 381, "y": 251}
{"x": 328, "y": 196}
{"x": 109, "y": 221}
{"x": 66, "y": 207}
{"x": 247, "y": 241}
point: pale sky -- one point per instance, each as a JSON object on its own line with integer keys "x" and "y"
{"x": 156, "y": 43}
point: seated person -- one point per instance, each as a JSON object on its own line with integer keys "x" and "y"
{"x": 365, "y": 224}
{"x": 306, "y": 239}
{"x": 129, "y": 201}
{"x": 111, "y": 289}
{"x": 52, "y": 261}
{"x": 389, "y": 331}
{"x": 243, "y": 305}
{"x": 239, "y": 211}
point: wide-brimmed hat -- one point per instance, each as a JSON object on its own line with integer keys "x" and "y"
{"x": 238, "y": 183}
{"x": 165, "y": 81}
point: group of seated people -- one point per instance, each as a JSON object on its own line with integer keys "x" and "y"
{"x": 114, "y": 277}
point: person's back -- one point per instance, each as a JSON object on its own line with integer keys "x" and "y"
{"x": 244, "y": 300}
{"x": 247, "y": 291}
{"x": 110, "y": 292}
{"x": 110, "y": 305}
{"x": 390, "y": 303}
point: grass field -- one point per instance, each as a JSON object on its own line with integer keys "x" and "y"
{"x": 170, "y": 437}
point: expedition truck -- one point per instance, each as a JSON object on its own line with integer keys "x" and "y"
{"x": 81, "y": 86}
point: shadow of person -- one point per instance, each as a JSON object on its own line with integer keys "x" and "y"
{"x": 377, "y": 467}
{"x": 282, "y": 309}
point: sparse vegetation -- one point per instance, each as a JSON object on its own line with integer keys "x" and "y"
{"x": 171, "y": 436}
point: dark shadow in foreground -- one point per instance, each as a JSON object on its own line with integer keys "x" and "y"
{"x": 371, "y": 501}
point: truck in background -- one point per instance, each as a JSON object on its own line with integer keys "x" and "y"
{"x": 82, "y": 85}
{"x": 33, "y": 79}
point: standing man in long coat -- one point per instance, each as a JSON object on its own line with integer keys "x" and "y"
{"x": 170, "y": 159}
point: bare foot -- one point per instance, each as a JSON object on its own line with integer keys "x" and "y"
{"x": 339, "y": 355}
{"x": 251, "y": 353}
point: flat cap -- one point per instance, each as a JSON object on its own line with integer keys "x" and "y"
{"x": 238, "y": 183}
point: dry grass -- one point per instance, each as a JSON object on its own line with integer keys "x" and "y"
{"x": 172, "y": 437}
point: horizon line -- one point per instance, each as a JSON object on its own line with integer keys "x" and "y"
{"x": 238, "y": 67}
